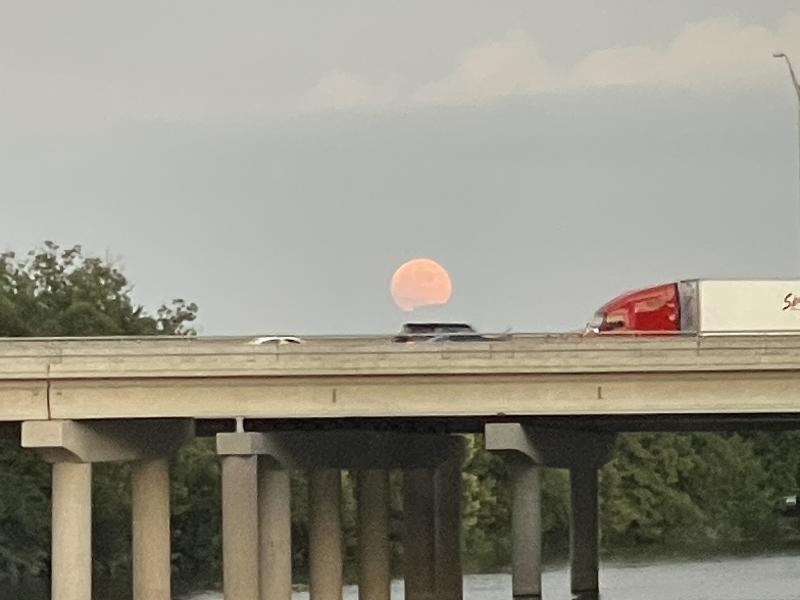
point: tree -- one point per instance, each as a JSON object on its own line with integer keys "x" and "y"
{"x": 488, "y": 502}
{"x": 664, "y": 489}
{"x": 62, "y": 292}
{"x": 55, "y": 292}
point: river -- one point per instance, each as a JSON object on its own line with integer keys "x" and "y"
{"x": 760, "y": 578}
{"x": 773, "y": 577}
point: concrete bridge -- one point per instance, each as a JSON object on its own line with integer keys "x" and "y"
{"x": 370, "y": 405}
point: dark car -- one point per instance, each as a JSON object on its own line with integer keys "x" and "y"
{"x": 441, "y": 332}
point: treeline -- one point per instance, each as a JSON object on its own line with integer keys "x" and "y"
{"x": 659, "y": 491}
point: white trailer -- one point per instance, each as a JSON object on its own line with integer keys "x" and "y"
{"x": 705, "y": 307}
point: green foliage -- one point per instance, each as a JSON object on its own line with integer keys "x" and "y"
{"x": 196, "y": 525}
{"x": 299, "y": 486}
{"x": 111, "y": 519}
{"x": 671, "y": 489}
{"x": 555, "y": 512}
{"x": 24, "y": 513}
{"x": 779, "y": 454}
{"x": 643, "y": 490}
{"x": 486, "y": 507}
{"x": 61, "y": 292}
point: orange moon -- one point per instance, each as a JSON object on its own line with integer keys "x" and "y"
{"x": 420, "y": 282}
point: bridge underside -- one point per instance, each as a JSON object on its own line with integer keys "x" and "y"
{"x": 598, "y": 423}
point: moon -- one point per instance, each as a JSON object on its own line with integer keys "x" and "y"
{"x": 420, "y": 282}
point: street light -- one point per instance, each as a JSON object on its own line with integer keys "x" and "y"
{"x": 791, "y": 71}
{"x": 796, "y": 85}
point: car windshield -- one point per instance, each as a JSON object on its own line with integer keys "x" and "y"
{"x": 457, "y": 329}
{"x": 436, "y": 328}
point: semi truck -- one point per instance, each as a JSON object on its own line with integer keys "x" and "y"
{"x": 704, "y": 307}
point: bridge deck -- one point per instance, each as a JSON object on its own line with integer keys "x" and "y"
{"x": 559, "y": 375}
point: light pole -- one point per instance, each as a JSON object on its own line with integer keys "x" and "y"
{"x": 796, "y": 85}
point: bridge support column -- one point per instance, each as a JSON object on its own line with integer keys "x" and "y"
{"x": 72, "y": 531}
{"x": 151, "y": 530}
{"x": 240, "y": 527}
{"x": 325, "y": 535}
{"x": 583, "y": 452}
{"x": 374, "y": 552}
{"x": 419, "y": 541}
{"x": 526, "y": 532}
{"x": 275, "y": 531}
{"x": 449, "y": 573}
{"x": 322, "y": 455}
{"x": 72, "y": 447}
{"x": 584, "y": 533}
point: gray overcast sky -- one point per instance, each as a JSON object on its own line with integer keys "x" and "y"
{"x": 275, "y": 162}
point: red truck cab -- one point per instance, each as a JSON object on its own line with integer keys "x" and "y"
{"x": 651, "y": 310}
{"x": 705, "y": 307}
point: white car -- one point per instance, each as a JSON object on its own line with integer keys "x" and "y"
{"x": 275, "y": 339}
{"x": 444, "y": 332}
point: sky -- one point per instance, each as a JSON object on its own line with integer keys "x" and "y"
{"x": 276, "y": 162}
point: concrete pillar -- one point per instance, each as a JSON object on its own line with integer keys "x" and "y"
{"x": 325, "y": 535}
{"x": 584, "y": 532}
{"x": 449, "y": 573}
{"x": 526, "y": 532}
{"x": 275, "y": 532}
{"x": 240, "y": 527}
{"x": 374, "y": 551}
{"x": 419, "y": 551}
{"x": 151, "y": 530}
{"x": 71, "y": 569}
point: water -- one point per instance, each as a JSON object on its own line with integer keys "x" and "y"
{"x": 763, "y": 578}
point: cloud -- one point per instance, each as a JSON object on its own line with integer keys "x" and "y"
{"x": 709, "y": 54}
{"x": 209, "y": 64}
{"x": 511, "y": 65}
{"x": 339, "y": 90}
